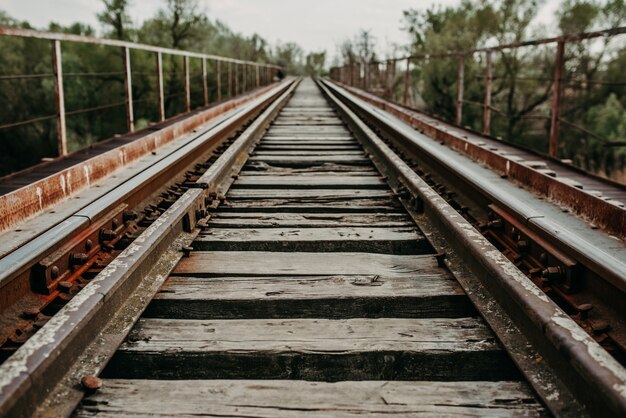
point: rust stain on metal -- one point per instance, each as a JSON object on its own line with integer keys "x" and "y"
{"x": 24, "y": 203}
{"x": 603, "y": 214}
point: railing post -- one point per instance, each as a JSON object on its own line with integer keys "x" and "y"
{"x": 366, "y": 71}
{"x": 230, "y": 79}
{"x": 57, "y": 68}
{"x": 258, "y": 76}
{"x": 159, "y": 64}
{"x": 128, "y": 89}
{"x": 244, "y": 78}
{"x": 460, "y": 81}
{"x": 205, "y": 88}
{"x": 407, "y": 76}
{"x": 553, "y": 148}
{"x": 187, "y": 85}
{"x": 386, "y": 91}
{"x": 236, "y": 80}
{"x": 218, "y": 79}
{"x": 488, "y": 84}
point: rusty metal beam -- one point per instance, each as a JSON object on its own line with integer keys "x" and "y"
{"x": 22, "y": 204}
{"x": 578, "y": 360}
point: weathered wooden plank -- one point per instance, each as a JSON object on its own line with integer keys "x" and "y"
{"x": 285, "y": 192}
{"x": 312, "y": 349}
{"x": 333, "y": 181}
{"x": 310, "y": 160}
{"x": 260, "y": 167}
{"x": 281, "y": 398}
{"x": 308, "y": 220}
{"x": 260, "y": 263}
{"x": 308, "y": 137}
{"x": 304, "y": 122}
{"x": 399, "y": 241}
{"x": 306, "y": 147}
{"x": 313, "y": 205}
{"x": 427, "y": 295}
{"x": 299, "y": 153}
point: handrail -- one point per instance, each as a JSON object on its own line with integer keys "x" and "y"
{"x": 351, "y": 74}
{"x": 55, "y": 36}
{"x": 252, "y": 74}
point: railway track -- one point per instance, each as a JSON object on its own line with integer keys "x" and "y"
{"x": 310, "y": 271}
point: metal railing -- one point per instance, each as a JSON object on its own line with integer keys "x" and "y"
{"x": 368, "y": 76}
{"x": 242, "y": 76}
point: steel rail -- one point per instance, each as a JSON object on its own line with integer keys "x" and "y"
{"x": 28, "y": 376}
{"x": 604, "y": 214}
{"x": 24, "y": 203}
{"x": 580, "y": 362}
{"x": 15, "y": 265}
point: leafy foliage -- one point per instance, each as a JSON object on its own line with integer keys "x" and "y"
{"x": 93, "y": 76}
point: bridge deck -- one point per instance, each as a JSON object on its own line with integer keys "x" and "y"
{"x": 311, "y": 295}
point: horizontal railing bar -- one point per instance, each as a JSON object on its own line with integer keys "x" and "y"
{"x": 53, "y": 36}
{"x": 92, "y": 109}
{"x": 563, "y": 38}
{"x": 26, "y": 122}
{"x": 20, "y": 76}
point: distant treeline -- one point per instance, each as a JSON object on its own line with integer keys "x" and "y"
{"x": 93, "y": 75}
{"x": 593, "y": 131}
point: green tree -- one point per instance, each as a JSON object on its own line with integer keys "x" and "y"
{"x": 115, "y": 17}
{"x": 315, "y": 63}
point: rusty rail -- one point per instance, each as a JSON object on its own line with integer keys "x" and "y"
{"x": 578, "y": 361}
{"x": 339, "y": 74}
{"x": 57, "y": 73}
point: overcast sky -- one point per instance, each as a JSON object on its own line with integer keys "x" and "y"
{"x": 313, "y": 24}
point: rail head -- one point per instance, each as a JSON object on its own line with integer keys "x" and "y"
{"x": 579, "y": 361}
{"x": 31, "y": 374}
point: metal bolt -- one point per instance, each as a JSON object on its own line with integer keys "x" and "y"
{"x": 30, "y": 313}
{"x": 522, "y": 246}
{"x": 78, "y": 259}
{"x": 129, "y": 215}
{"x": 54, "y": 272}
{"x": 543, "y": 258}
{"x": 115, "y": 223}
{"x": 599, "y": 327}
{"x": 65, "y": 286}
{"x": 552, "y": 273}
{"x": 88, "y": 245}
{"x": 584, "y": 309}
{"x": 107, "y": 234}
{"x": 91, "y": 383}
